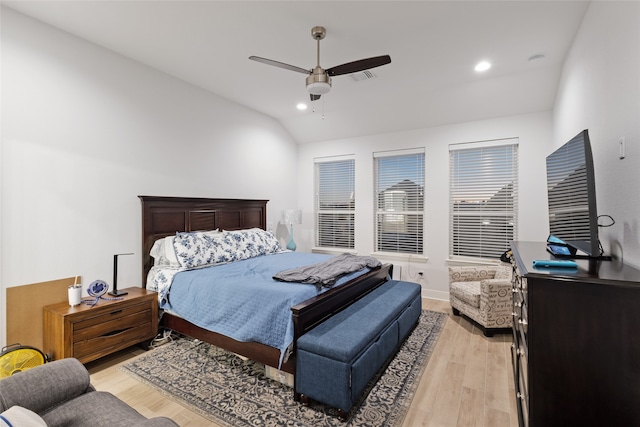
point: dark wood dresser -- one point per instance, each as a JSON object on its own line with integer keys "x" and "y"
{"x": 576, "y": 341}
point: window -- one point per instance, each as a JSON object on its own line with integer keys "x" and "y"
{"x": 335, "y": 202}
{"x": 483, "y": 197}
{"x": 399, "y": 201}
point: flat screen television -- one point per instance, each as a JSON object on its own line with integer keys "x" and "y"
{"x": 571, "y": 191}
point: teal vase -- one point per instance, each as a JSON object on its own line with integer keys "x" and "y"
{"x": 291, "y": 245}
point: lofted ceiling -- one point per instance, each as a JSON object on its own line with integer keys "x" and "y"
{"x": 434, "y": 46}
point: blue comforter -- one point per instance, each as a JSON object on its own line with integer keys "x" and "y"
{"x": 241, "y": 299}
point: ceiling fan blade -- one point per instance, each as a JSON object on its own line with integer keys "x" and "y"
{"x": 280, "y": 64}
{"x": 360, "y": 65}
{"x": 314, "y": 97}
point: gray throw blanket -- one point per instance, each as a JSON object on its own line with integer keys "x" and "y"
{"x": 325, "y": 274}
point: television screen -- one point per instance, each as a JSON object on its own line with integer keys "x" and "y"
{"x": 571, "y": 191}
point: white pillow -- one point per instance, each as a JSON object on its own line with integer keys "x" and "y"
{"x": 158, "y": 253}
{"x": 170, "y": 252}
{"x": 17, "y": 416}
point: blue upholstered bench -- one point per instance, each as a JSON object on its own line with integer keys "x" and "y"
{"x": 337, "y": 359}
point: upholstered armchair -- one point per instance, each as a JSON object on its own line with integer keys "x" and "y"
{"x": 483, "y": 294}
{"x": 59, "y": 394}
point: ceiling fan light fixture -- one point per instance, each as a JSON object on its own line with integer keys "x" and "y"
{"x": 318, "y": 88}
{"x": 318, "y": 82}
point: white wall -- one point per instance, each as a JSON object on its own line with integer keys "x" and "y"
{"x": 85, "y": 131}
{"x": 600, "y": 91}
{"x": 535, "y": 134}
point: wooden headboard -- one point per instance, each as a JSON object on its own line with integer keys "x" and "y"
{"x": 164, "y": 216}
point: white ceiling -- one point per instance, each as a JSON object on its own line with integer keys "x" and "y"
{"x": 433, "y": 45}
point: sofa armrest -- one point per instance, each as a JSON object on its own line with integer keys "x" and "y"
{"x": 44, "y": 386}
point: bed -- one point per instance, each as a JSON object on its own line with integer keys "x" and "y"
{"x": 165, "y": 216}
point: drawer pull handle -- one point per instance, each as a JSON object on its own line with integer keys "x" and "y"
{"x": 115, "y": 312}
{"x": 116, "y": 332}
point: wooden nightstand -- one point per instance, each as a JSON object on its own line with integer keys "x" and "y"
{"x": 87, "y": 332}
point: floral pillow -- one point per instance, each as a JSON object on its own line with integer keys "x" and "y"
{"x": 164, "y": 254}
{"x": 204, "y": 248}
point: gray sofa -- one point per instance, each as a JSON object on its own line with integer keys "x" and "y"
{"x": 60, "y": 393}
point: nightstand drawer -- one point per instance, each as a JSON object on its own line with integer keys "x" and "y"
{"x": 117, "y": 339}
{"x": 111, "y": 326}
{"x": 104, "y": 319}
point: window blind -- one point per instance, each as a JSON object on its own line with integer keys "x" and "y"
{"x": 483, "y": 198}
{"x": 335, "y": 202}
{"x": 399, "y": 201}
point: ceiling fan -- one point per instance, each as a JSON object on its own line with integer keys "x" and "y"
{"x": 319, "y": 79}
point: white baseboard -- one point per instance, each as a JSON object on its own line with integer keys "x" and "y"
{"x": 433, "y": 294}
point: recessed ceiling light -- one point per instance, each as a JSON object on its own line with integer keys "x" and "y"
{"x": 301, "y": 106}
{"x": 483, "y": 66}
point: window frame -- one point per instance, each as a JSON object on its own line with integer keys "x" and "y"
{"x": 496, "y": 192}
{"x": 406, "y": 226}
{"x": 336, "y": 180}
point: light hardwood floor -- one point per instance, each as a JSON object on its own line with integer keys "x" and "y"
{"x": 468, "y": 381}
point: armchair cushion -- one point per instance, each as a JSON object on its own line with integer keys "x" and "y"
{"x": 468, "y": 292}
{"x": 97, "y": 408}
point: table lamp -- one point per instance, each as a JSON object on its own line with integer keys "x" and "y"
{"x": 114, "y": 290}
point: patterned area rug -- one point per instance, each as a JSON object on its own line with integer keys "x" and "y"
{"x": 234, "y": 392}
